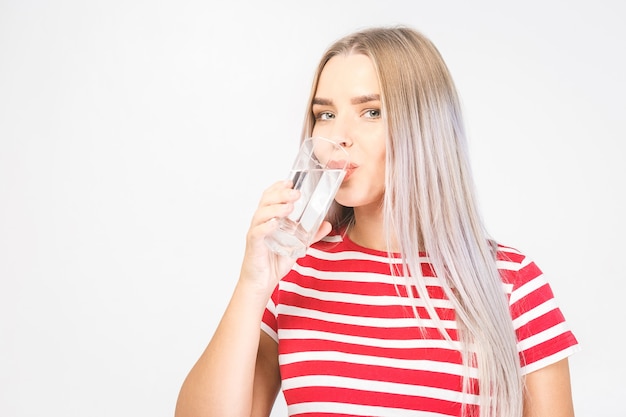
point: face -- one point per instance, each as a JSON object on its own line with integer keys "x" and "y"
{"x": 347, "y": 109}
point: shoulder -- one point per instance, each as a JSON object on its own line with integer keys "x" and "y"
{"x": 509, "y": 258}
{"x": 543, "y": 334}
{"x": 516, "y": 268}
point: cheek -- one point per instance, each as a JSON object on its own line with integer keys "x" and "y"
{"x": 382, "y": 163}
{"x": 367, "y": 188}
{"x": 379, "y": 176}
{"x": 316, "y": 131}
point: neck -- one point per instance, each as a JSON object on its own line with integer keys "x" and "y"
{"x": 368, "y": 230}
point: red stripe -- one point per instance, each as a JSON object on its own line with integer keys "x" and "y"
{"x": 531, "y": 301}
{"x": 361, "y": 288}
{"x": 506, "y": 253}
{"x": 316, "y": 345}
{"x": 385, "y": 333}
{"x": 377, "y": 372}
{"x": 548, "y": 348}
{"x": 540, "y": 324}
{"x": 325, "y": 414}
{"x": 373, "y": 373}
{"x": 359, "y": 310}
{"x": 374, "y": 399}
{"x": 527, "y": 274}
{"x": 359, "y": 265}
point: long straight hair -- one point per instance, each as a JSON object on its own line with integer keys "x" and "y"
{"x": 429, "y": 204}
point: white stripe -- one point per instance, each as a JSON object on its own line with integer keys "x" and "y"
{"x": 524, "y": 263}
{"x": 543, "y": 336}
{"x": 368, "y": 300}
{"x": 377, "y": 386}
{"x": 536, "y": 312}
{"x": 332, "y": 238}
{"x": 409, "y": 364}
{"x": 284, "y": 334}
{"x": 271, "y": 306}
{"x": 528, "y": 288}
{"x": 549, "y": 360}
{"x": 353, "y": 255}
{"x": 508, "y": 266}
{"x": 513, "y": 266}
{"x": 362, "y": 321}
{"x": 356, "y": 410}
{"x": 361, "y": 276}
{"x": 270, "y": 332}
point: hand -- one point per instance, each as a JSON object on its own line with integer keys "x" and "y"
{"x": 261, "y": 267}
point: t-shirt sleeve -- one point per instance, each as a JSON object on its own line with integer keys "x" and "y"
{"x": 269, "y": 323}
{"x": 543, "y": 335}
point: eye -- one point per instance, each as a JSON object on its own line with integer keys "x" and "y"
{"x": 324, "y": 115}
{"x": 372, "y": 113}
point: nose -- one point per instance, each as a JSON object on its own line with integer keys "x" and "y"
{"x": 342, "y": 132}
{"x": 345, "y": 142}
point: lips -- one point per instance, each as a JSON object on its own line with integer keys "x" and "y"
{"x": 349, "y": 170}
{"x": 332, "y": 164}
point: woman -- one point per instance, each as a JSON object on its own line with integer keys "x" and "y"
{"x": 404, "y": 305}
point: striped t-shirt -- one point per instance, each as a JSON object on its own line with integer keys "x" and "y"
{"x": 349, "y": 345}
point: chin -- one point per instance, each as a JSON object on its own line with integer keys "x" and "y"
{"x": 343, "y": 198}
{"x": 352, "y": 198}
{"x": 346, "y": 195}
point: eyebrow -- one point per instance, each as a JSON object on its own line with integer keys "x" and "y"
{"x": 365, "y": 99}
{"x": 355, "y": 100}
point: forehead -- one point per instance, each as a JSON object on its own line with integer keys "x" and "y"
{"x": 348, "y": 75}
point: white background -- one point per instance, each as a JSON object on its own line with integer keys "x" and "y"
{"x": 137, "y": 136}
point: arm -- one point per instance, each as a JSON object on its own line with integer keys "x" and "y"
{"x": 225, "y": 377}
{"x": 266, "y": 377}
{"x": 237, "y": 374}
{"x": 230, "y": 376}
{"x": 548, "y": 392}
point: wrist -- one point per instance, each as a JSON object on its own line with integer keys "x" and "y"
{"x": 255, "y": 292}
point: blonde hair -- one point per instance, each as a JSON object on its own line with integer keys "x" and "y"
{"x": 430, "y": 205}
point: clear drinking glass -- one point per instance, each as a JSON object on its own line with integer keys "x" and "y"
{"x": 317, "y": 172}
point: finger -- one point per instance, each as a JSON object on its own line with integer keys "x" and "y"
{"x": 280, "y": 192}
{"x": 273, "y": 211}
{"x": 276, "y": 201}
{"x": 263, "y": 229}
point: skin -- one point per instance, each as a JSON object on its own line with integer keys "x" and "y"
{"x": 347, "y": 109}
{"x": 549, "y": 392}
{"x": 238, "y": 373}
